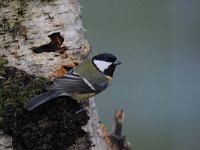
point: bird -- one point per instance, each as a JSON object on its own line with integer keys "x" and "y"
{"x": 82, "y": 82}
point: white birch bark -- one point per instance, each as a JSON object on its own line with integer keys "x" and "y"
{"x": 25, "y": 25}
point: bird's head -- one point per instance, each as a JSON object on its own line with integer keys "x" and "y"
{"x": 106, "y": 63}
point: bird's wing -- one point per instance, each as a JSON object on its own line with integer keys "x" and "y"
{"x": 72, "y": 83}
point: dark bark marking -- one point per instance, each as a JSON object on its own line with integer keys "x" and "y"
{"x": 54, "y": 46}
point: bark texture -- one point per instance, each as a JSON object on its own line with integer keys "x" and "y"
{"x": 43, "y": 38}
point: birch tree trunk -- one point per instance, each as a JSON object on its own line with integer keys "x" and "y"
{"x": 43, "y": 38}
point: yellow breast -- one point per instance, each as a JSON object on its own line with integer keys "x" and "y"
{"x": 81, "y": 97}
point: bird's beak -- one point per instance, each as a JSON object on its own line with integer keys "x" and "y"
{"x": 117, "y": 62}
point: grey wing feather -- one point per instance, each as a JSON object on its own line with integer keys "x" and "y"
{"x": 102, "y": 85}
{"x": 42, "y": 98}
{"x": 71, "y": 84}
{"x": 63, "y": 86}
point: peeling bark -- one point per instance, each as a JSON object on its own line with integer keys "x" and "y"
{"x": 32, "y": 30}
{"x": 44, "y": 38}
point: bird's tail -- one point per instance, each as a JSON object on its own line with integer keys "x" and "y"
{"x": 43, "y": 98}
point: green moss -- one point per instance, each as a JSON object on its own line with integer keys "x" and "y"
{"x": 54, "y": 125}
{"x": 18, "y": 86}
{"x": 3, "y": 62}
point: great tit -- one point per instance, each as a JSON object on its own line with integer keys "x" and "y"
{"x": 82, "y": 82}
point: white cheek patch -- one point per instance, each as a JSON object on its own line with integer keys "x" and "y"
{"x": 102, "y": 65}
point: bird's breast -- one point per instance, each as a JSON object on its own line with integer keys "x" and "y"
{"x": 81, "y": 97}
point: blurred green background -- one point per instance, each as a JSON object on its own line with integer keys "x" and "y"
{"x": 158, "y": 84}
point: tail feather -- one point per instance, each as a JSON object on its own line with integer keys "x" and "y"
{"x": 43, "y": 98}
